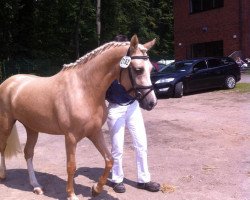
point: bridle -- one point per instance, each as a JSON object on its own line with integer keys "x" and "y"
{"x": 135, "y": 87}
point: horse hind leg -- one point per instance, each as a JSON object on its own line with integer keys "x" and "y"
{"x": 32, "y": 137}
{"x": 9, "y": 143}
{"x": 99, "y": 142}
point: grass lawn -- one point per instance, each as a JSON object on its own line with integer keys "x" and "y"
{"x": 242, "y": 87}
{"x": 246, "y": 71}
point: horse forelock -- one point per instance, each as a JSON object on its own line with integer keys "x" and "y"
{"x": 142, "y": 48}
{"x": 94, "y": 53}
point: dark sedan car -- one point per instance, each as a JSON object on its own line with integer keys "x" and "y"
{"x": 157, "y": 66}
{"x": 196, "y": 74}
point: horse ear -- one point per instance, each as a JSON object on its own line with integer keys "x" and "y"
{"x": 150, "y": 44}
{"x": 134, "y": 43}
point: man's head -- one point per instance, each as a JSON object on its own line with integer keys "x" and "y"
{"x": 121, "y": 38}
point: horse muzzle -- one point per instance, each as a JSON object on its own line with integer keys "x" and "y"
{"x": 147, "y": 100}
{"x": 148, "y": 105}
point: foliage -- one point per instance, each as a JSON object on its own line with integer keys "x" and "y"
{"x": 148, "y": 19}
{"x": 37, "y": 29}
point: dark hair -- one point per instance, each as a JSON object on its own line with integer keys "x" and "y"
{"x": 121, "y": 38}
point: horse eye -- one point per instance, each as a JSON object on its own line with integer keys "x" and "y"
{"x": 139, "y": 70}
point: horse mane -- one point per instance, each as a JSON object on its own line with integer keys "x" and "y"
{"x": 94, "y": 53}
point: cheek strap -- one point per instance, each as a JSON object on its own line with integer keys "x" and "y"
{"x": 135, "y": 87}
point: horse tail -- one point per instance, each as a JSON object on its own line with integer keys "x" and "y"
{"x": 13, "y": 146}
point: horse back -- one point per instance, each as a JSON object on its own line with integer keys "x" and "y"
{"x": 51, "y": 104}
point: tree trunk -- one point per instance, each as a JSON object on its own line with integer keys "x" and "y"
{"x": 98, "y": 20}
{"x": 77, "y": 29}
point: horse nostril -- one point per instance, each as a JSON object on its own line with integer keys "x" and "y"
{"x": 152, "y": 104}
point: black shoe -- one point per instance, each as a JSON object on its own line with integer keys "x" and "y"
{"x": 119, "y": 187}
{"x": 150, "y": 186}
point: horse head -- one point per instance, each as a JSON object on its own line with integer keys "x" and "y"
{"x": 139, "y": 67}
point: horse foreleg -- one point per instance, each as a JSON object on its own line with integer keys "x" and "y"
{"x": 29, "y": 153}
{"x": 99, "y": 142}
{"x": 70, "y": 143}
{"x": 2, "y": 167}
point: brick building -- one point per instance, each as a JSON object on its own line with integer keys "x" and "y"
{"x": 211, "y": 28}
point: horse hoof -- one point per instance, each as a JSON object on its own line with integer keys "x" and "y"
{"x": 94, "y": 192}
{"x": 2, "y": 175}
{"x": 73, "y": 197}
{"x": 38, "y": 190}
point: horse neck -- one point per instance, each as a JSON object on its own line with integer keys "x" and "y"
{"x": 101, "y": 71}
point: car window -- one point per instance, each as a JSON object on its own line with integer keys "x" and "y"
{"x": 161, "y": 66}
{"x": 200, "y": 65}
{"x": 227, "y": 61}
{"x": 157, "y": 67}
{"x": 176, "y": 67}
{"x": 214, "y": 63}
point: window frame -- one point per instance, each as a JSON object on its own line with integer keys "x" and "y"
{"x": 215, "y": 4}
{"x": 196, "y": 69}
{"x": 219, "y": 63}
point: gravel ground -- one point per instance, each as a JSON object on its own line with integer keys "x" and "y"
{"x": 198, "y": 149}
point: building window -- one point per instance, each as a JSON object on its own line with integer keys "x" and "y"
{"x": 203, "y": 5}
{"x": 207, "y": 49}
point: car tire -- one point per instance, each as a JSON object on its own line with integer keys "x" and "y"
{"x": 230, "y": 82}
{"x": 178, "y": 90}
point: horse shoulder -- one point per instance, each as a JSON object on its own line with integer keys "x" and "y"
{"x": 80, "y": 115}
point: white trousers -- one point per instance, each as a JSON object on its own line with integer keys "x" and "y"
{"x": 131, "y": 117}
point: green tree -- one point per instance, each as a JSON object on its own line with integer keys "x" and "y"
{"x": 148, "y": 19}
{"x": 8, "y": 26}
{"x": 66, "y": 29}
{"x": 160, "y": 20}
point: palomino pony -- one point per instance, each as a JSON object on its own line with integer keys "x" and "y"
{"x": 72, "y": 103}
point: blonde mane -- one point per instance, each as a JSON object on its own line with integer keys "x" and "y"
{"x": 93, "y": 54}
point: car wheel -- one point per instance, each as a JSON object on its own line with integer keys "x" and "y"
{"x": 178, "y": 91}
{"x": 230, "y": 82}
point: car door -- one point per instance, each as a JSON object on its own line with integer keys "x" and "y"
{"x": 215, "y": 72}
{"x": 197, "y": 79}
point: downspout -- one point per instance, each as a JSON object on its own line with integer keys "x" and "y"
{"x": 241, "y": 25}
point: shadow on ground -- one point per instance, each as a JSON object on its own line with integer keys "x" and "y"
{"x": 95, "y": 173}
{"x": 54, "y": 186}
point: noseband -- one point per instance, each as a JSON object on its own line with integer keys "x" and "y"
{"x": 135, "y": 87}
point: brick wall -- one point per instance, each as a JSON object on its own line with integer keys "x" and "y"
{"x": 218, "y": 24}
{"x": 245, "y": 28}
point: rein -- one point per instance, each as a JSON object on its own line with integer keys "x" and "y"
{"x": 135, "y": 87}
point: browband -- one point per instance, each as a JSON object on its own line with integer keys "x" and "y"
{"x": 136, "y": 57}
{"x": 140, "y": 57}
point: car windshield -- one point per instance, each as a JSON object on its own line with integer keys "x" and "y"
{"x": 177, "y": 67}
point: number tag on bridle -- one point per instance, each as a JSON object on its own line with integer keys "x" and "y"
{"x": 125, "y": 61}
